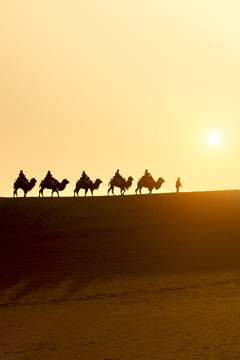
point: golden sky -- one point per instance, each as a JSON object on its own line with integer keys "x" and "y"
{"x": 132, "y": 85}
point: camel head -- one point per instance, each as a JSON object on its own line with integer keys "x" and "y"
{"x": 61, "y": 186}
{"x": 65, "y": 182}
{"x": 32, "y": 181}
{"x": 159, "y": 183}
{"x": 129, "y": 182}
{"x": 98, "y": 182}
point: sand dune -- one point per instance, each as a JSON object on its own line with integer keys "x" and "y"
{"x": 124, "y": 277}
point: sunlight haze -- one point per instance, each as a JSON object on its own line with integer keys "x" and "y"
{"x": 130, "y": 85}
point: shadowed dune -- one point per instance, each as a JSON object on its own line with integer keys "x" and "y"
{"x": 132, "y": 277}
{"x": 45, "y": 242}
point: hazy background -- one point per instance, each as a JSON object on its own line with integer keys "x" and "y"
{"x": 133, "y": 84}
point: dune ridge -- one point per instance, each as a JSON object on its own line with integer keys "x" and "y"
{"x": 174, "y": 257}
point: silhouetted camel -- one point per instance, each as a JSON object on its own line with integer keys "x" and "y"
{"x": 87, "y": 184}
{"x": 149, "y": 183}
{"x": 122, "y": 183}
{"x": 25, "y": 185}
{"x": 52, "y": 184}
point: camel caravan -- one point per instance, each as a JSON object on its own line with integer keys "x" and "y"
{"x": 86, "y": 184}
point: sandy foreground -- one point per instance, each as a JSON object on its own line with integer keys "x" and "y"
{"x": 124, "y": 277}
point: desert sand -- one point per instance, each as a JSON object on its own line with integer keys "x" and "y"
{"x": 121, "y": 277}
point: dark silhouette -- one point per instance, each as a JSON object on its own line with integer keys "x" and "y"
{"x": 23, "y": 183}
{"x": 50, "y": 183}
{"x": 147, "y": 174}
{"x": 84, "y": 176}
{"x": 86, "y": 184}
{"x": 178, "y": 184}
{"x": 118, "y": 175}
{"x": 22, "y": 176}
{"x": 120, "y": 182}
{"x": 148, "y": 182}
{"x": 48, "y": 176}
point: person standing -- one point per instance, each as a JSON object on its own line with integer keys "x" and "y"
{"x": 178, "y": 184}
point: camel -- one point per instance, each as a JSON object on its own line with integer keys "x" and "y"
{"x": 52, "y": 184}
{"x": 87, "y": 184}
{"x": 122, "y": 183}
{"x": 149, "y": 183}
{"x": 25, "y": 185}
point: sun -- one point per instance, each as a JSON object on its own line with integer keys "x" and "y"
{"x": 214, "y": 138}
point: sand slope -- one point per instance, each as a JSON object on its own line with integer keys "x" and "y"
{"x": 148, "y": 277}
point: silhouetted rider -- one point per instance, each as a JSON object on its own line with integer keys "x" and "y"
{"x": 84, "y": 176}
{"x": 22, "y": 176}
{"x": 147, "y": 174}
{"x": 117, "y": 175}
{"x": 48, "y": 176}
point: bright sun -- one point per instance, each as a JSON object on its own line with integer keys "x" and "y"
{"x": 214, "y": 138}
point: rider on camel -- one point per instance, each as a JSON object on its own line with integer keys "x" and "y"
{"x": 118, "y": 176}
{"x": 85, "y": 177}
{"x": 48, "y": 176}
{"x": 22, "y": 176}
{"x": 147, "y": 174}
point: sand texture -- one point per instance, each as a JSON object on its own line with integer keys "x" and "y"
{"x": 149, "y": 277}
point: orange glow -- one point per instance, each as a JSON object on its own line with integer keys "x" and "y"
{"x": 131, "y": 85}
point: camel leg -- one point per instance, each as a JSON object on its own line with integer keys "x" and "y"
{"x": 111, "y": 189}
{"x": 76, "y": 191}
{"x": 86, "y": 190}
{"x": 15, "y": 193}
{"x": 56, "y": 192}
{"x": 53, "y": 191}
{"x": 41, "y": 192}
{"x": 138, "y": 189}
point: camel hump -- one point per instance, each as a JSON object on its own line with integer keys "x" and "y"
{"x": 119, "y": 180}
{"x": 85, "y": 180}
{"x": 146, "y": 178}
{"x": 21, "y": 181}
{"x": 52, "y": 182}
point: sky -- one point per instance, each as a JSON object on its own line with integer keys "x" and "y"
{"x": 131, "y": 85}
